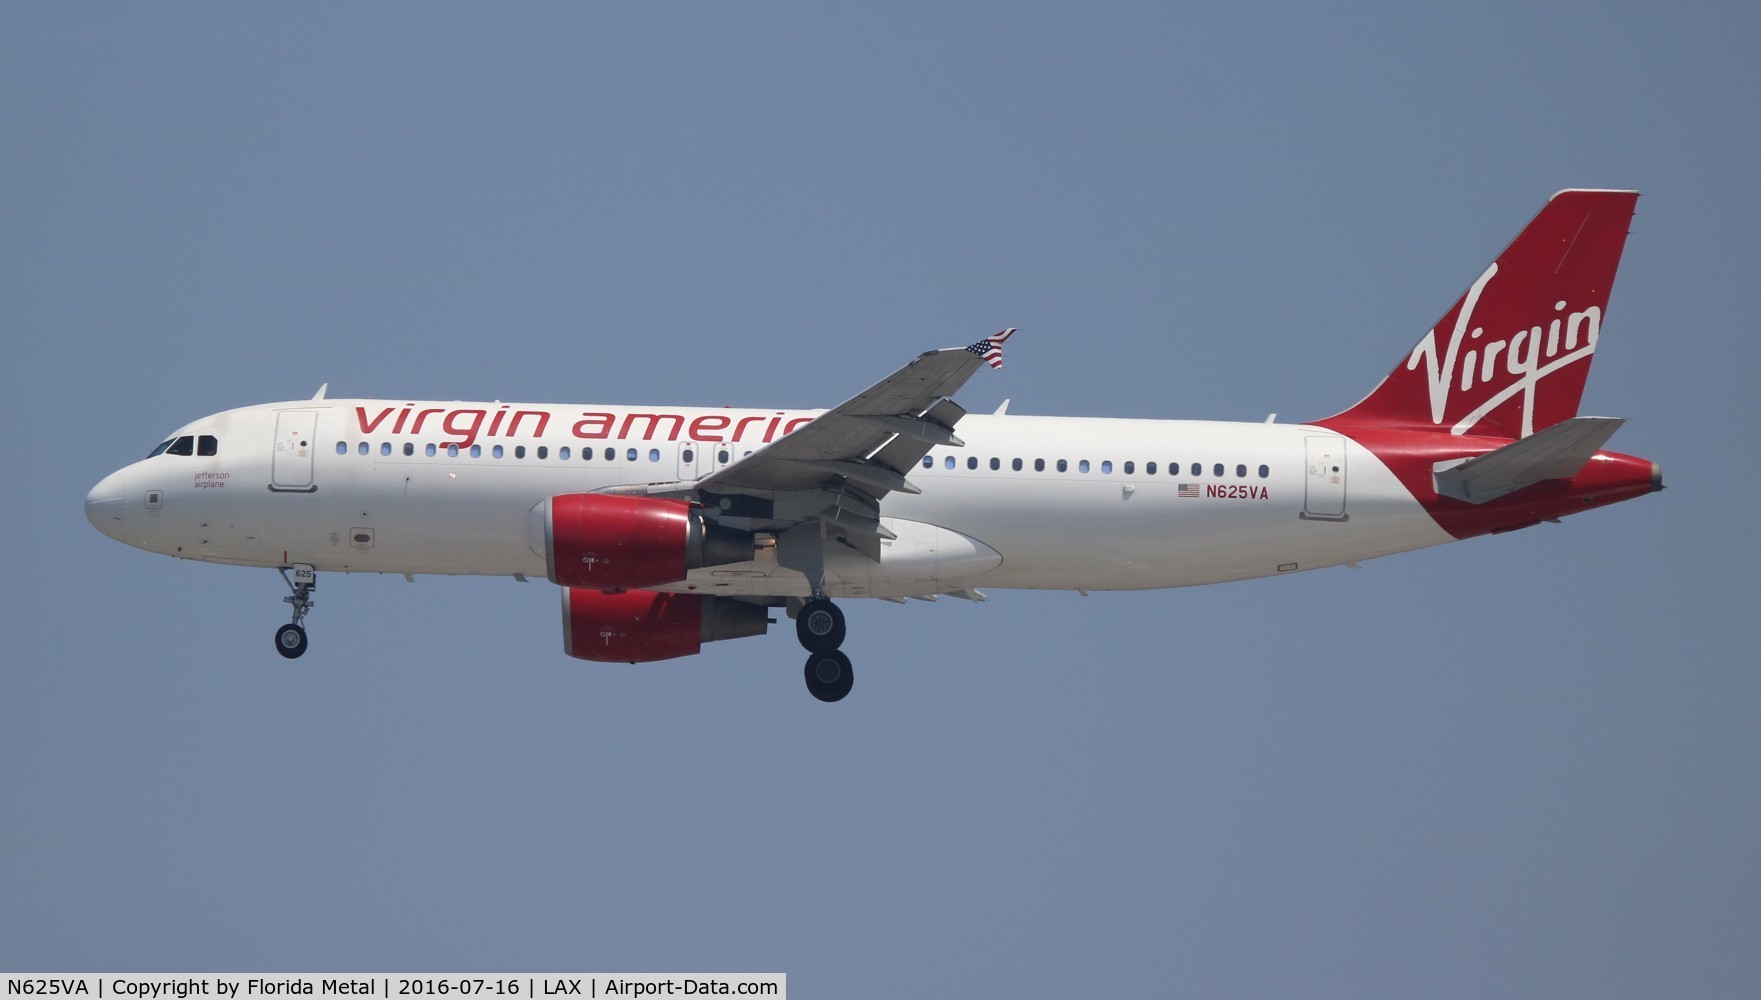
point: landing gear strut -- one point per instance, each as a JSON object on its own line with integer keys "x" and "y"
{"x": 290, "y": 639}
{"x": 820, "y": 627}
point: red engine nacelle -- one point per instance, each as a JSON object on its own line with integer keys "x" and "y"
{"x": 610, "y": 542}
{"x": 637, "y": 626}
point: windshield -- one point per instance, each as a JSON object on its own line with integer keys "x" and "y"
{"x": 188, "y": 444}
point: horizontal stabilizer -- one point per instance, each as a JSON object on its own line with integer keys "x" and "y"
{"x": 1557, "y": 452}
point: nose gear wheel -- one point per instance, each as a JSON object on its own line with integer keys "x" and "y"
{"x": 290, "y": 639}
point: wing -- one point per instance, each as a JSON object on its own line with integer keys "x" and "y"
{"x": 837, "y": 469}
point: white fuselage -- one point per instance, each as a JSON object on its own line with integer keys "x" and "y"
{"x": 1028, "y": 502}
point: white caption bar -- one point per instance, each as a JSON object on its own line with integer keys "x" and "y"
{"x": 399, "y": 986}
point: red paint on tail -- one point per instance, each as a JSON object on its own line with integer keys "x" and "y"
{"x": 1508, "y": 359}
{"x": 1511, "y": 356}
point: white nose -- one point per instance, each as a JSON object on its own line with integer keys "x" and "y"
{"x": 105, "y": 506}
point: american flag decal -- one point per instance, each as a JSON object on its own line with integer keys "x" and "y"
{"x": 1189, "y": 489}
{"x": 991, "y": 348}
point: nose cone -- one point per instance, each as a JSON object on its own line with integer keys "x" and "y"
{"x": 105, "y": 506}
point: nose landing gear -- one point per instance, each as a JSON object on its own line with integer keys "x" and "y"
{"x": 819, "y": 625}
{"x": 290, "y": 639}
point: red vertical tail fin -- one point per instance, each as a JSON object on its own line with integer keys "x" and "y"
{"x": 1512, "y": 355}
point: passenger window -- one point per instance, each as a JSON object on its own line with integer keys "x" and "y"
{"x": 1197, "y": 469}
{"x": 1149, "y": 468}
{"x": 1063, "y": 466}
{"x": 207, "y": 444}
{"x": 429, "y": 451}
{"x": 543, "y": 451}
{"x": 611, "y": 454}
{"x": 495, "y": 451}
{"x": 689, "y": 456}
{"x": 563, "y": 453}
{"x": 972, "y": 463}
{"x": 1106, "y": 466}
{"x": 653, "y": 455}
{"x": 409, "y": 449}
{"x": 1016, "y": 465}
{"x": 1264, "y": 472}
{"x": 476, "y": 451}
{"x": 519, "y": 451}
{"x": 948, "y": 463}
{"x": 722, "y": 456}
{"x": 1083, "y": 467}
{"x": 342, "y": 448}
{"x": 928, "y": 463}
{"x": 452, "y": 451}
{"x": 1217, "y": 470}
{"x": 385, "y": 447}
{"x": 1241, "y": 472}
{"x": 1039, "y": 465}
{"x": 361, "y": 449}
{"x": 631, "y": 455}
{"x": 996, "y": 464}
{"x": 1130, "y": 468}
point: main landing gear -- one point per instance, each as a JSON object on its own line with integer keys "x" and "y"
{"x": 820, "y": 627}
{"x": 290, "y": 639}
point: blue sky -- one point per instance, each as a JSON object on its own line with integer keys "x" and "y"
{"x": 1522, "y": 766}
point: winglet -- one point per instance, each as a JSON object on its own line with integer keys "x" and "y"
{"x": 991, "y": 348}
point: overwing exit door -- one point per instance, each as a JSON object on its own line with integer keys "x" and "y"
{"x": 694, "y": 459}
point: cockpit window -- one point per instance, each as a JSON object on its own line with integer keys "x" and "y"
{"x": 161, "y": 449}
{"x": 185, "y": 445}
{"x": 207, "y": 444}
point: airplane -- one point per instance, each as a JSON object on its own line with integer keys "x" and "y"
{"x": 667, "y": 527}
